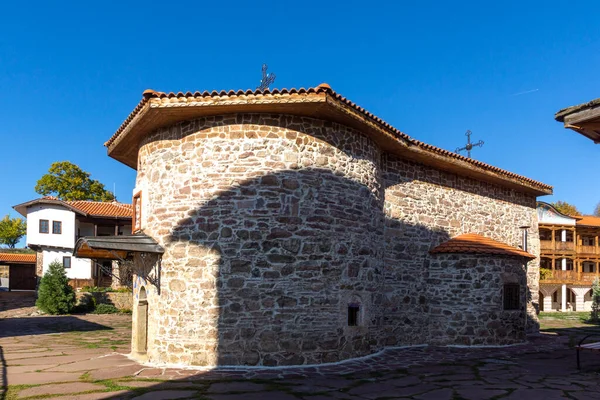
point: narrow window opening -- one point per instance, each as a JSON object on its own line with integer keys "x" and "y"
{"x": 66, "y": 262}
{"x": 353, "y": 314}
{"x": 555, "y": 297}
{"x": 512, "y": 295}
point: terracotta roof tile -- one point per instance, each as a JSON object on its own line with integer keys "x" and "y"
{"x": 102, "y": 209}
{"x": 477, "y": 244}
{"x": 88, "y": 208}
{"x": 588, "y": 220}
{"x": 326, "y": 89}
{"x": 17, "y": 258}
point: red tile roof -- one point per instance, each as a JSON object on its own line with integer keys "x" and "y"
{"x": 189, "y": 99}
{"x": 588, "y": 220}
{"x": 103, "y": 209}
{"x": 15, "y": 258}
{"x": 99, "y": 209}
{"x": 477, "y": 244}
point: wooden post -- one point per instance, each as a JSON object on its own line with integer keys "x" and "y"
{"x": 553, "y": 239}
{"x": 116, "y": 230}
{"x": 596, "y": 245}
{"x": 95, "y": 230}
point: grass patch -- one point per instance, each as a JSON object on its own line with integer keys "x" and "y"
{"x": 12, "y": 391}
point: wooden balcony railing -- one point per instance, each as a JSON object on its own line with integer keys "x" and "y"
{"x": 558, "y": 246}
{"x": 587, "y": 250}
{"x": 559, "y": 276}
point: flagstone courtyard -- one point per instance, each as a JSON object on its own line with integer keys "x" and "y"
{"x": 83, "y": 357}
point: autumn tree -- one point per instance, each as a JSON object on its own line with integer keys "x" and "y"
{"x": 597, "y": 210}
{"x": 566, "y": 208}
{"x": 67, "y": 181}
{"x": 11, "y": 231}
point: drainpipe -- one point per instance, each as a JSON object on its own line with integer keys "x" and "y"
{"x": 524, "y": 246}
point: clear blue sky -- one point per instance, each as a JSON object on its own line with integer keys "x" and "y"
{"x": 71, "y": 72}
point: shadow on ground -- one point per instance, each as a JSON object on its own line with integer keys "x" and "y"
{"x": 11, "y": 327}
{"x": 16, "y": 300}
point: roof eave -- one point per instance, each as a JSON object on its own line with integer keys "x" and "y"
{"x": 583, "y": 119}
{"x": 22, "y": 208}
{"x": 161, "y": 111}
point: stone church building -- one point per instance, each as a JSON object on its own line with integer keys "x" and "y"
{"x": 294, "y": 227}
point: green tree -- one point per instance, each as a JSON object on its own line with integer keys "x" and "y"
{"x": 11, "y": 231}
{"x": 595, "y": 314}
{"x": 55, "y": 296}
{"x": 566, "y": 208}
{"x": 67, "y": 181}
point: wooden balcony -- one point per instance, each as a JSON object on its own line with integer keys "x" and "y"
{"x": 558, "y": 246}
{"x": 567, "y": 277}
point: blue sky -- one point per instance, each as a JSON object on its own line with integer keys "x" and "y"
{"x": 71, "y": 72}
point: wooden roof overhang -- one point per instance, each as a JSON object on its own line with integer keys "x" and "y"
{"x": 158, "y": 110}
{"x": 583, "y": 118}
{"x": 115, "y": 247}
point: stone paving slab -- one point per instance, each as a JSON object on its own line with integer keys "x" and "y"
{"x": 36, "y": 378}
{"x": 121, "y": 394}
{"x": 116, "y": 360}
{"x": 64, "y": 388}
{"x": 544, "y": 368}
{"x": 167, "y": 395}
{"x": 253, "y": 396}
{"x": 226, "y": 387}
{"x": 115, "y": 372}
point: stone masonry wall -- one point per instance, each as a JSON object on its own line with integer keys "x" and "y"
{"x": 271, "y": 226}
{"x": 425, "y": 207}
{"x": 466, "y": 300}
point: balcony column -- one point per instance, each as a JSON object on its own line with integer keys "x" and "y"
{"x": 563, "y": 292}
{"x": 553, "y": 239}
{"x": 579, "y": 297}
{"x": 548, "y": 290}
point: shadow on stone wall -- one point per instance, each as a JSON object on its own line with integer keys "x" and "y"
{"x": 286, "y": 254}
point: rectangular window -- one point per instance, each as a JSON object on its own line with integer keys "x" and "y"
{"x": 56, "y": 227}
{"x": 67, "y": 262}
{"x": 44, "y": 226}
{"x": 512, "y": 296}
{"x": 353, "y": 314}
{"x": 555, "y": 297}
{"x": 137, "y": 212}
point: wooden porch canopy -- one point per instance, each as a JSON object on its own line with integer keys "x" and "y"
{"x": 115, "y": 247}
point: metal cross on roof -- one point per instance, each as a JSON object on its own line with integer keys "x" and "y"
{"x": 267, "y": 79}
{"x": 469, "y": 145}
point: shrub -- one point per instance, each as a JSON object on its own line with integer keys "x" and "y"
{"x": 86, "y": 304}
{"x": 545, "y": 273}
{"x": 96, "y": 289}
{"x": 106, "y": 309}
{"x": 55, "y": 296}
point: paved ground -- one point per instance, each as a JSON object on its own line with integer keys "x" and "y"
{"x": 82, "y": 358}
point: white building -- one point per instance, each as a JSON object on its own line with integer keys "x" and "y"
{"x": 53, "y": 227}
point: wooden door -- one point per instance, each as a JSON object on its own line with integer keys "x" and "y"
{"x": 22, "y": 277}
